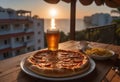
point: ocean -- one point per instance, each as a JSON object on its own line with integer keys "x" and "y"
{"x": 64, "y": 24}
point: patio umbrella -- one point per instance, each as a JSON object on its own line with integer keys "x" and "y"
{"x": 109, "y": 3}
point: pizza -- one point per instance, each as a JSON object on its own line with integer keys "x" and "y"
{"x": 60, "y": 63}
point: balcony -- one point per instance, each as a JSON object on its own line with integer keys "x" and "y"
{"x": 4, "y": 32}
{"x": 18, "y": 44}
{"x": 29, "y": 43}
{"x": 28, "y": 30}
{"x": 4, "y": 46}
{"x": 17, "y": 31}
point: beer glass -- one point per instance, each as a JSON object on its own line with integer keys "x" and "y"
{"x": 52, "y": 37}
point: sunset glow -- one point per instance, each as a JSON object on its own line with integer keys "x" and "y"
{"x": 60, "y": 10}
{"x": 53, "y": 12}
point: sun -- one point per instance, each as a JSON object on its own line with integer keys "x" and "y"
{"x": 53, "y": 12}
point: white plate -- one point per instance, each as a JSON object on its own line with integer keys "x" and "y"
{"x": 96, "y": 57}
{"x": 31, "y": 73}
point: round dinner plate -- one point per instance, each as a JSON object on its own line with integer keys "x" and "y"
{"x": 31, "y": 73}
{"x": 96, "y": 57}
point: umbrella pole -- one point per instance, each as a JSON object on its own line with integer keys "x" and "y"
{"x": 72, "y": 19}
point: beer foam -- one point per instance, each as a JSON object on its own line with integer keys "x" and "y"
{"x": 53, "y": 31}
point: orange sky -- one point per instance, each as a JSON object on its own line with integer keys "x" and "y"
{"x": 41, "y": 8}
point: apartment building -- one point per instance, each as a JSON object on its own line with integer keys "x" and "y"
{"x": 99, "y": 19}
{"x": 19, "y": 32}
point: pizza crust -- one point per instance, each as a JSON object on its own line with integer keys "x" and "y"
{"x": 61, "y": 63}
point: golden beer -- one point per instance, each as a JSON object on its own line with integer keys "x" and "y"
{"x": 52, "y": 38}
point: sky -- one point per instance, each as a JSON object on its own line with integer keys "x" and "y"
{"x": 41, "y": 8}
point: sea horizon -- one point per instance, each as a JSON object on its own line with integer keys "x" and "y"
{"x": 64, "y": 24}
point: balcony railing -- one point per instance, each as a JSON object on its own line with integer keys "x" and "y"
{"x": 11, "y": 32}
{"x": 4, "y": 46}
{"x": 105, "y": 34}
{"x": 15, "y": 31}
{"x": 5, "y": 32}
{"x": 18, "y": 44}
{"x": 29, "y": 43}
{"x": 28, "y": 30}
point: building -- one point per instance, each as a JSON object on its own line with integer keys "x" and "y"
{"x": 98, "y": 19}
{"x": 38, "y": 33}
{"x": 87, "y": 19}
{"x": 19, "y": 32}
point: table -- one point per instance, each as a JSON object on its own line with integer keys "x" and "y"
{"x": 10, "y": 70}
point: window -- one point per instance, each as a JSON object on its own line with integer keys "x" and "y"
{"x": 5, "y": 42}
{"x": 17, "y": 25}
{"x": 26, "y": 25}
{"x": 31, "y": 48}
{"x": 39, "y": 32}
{"x": 39, "y": 41}
{"x": 22, "y": 38}
{"x": 28, "y": 48}
{"x": 28, "y": 37}
{"x": 39, "y": 48}
{"x": 17, "y": 39}
{"x": 2, "y": 27}
{"x": 6, "y": 55}
{"x": 17, "y": 52}
{"x": 38, "y": 24}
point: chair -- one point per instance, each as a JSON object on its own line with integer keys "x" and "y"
{"x": 114, "y": 74}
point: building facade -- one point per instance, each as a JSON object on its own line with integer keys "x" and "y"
{"x": 98, "y": 19}
{"x": 19, "y": 33}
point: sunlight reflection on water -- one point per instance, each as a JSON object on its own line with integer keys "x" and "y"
{"x": 64, "y": 24}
